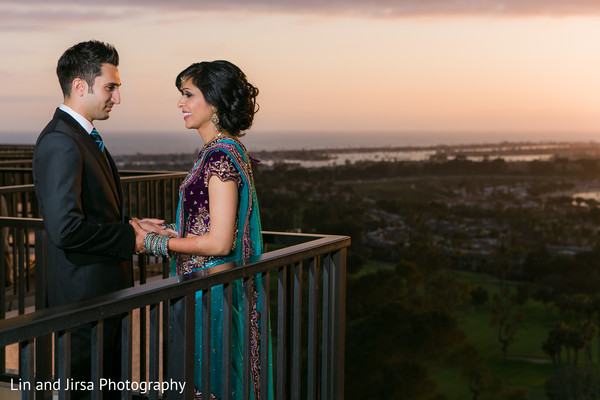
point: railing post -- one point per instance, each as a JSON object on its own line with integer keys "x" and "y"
{"x": 297, "y": 332}
{"x": 154, "y": 361}
{"x": 63, "y": 361}
{"x": 97, "y": 351}
{"x": 265, "y": 334}
{"x": 21, "y": 251}
{"x": 142, "y": 321}
{"x": 226, "y": 372}
{"x": 326, "y": 363}
{"x": 206, "y": 341}
{"x": 126, "y": 351}
{"x": 282, "y": 387}
{"x": 26, "y": 369}
{"x": 43, "y": 344}
{"x": 338, "y": 296}
{"x": 247, "y": 300}
{"x": 181, "y": 345}
{"x": 313, "y": 327}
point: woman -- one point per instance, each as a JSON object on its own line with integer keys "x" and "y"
{"x": 218, "y": 219}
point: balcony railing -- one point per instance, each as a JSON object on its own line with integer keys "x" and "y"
{"x": 146, "y": 193}
{"x": 303, "y": 281}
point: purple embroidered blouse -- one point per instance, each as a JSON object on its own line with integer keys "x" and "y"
{"x": 196, "y": 205}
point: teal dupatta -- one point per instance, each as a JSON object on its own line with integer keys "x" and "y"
{"x": 248, "y": 242}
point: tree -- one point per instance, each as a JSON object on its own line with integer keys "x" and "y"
{"x": 506, "y": 317}
{"x": 399, "y": 323}
{"x": 575, "y": 382}
{"x": 474, "y": 369}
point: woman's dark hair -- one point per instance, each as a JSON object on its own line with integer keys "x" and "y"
{"x": 84, "y": 60}
{"x": 225, "y": 87}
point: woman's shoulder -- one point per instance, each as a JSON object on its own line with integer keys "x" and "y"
{"x": 229, "y": 148}
{"x": 218, "y": 155}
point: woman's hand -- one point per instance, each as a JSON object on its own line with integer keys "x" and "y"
{"x": 156, "y": 226}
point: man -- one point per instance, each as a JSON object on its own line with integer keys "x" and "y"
{"x": 78, "y": 188}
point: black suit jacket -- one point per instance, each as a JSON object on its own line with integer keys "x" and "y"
{"x": 90, "y": 243}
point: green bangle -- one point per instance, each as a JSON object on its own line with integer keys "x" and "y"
{"x": 156, "y": 244}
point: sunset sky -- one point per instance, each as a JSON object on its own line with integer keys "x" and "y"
{"x": 407, "y": 66}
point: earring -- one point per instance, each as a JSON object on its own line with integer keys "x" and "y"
{"x": 215, "y": 120}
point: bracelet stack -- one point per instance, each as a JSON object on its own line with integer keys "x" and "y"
{"x": 156, "y": 244}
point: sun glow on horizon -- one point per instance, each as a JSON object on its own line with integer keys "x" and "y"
{"x": 332, "y": 73}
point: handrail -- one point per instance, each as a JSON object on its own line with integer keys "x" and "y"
{"x": 17, "y": 189}
{"x": 15, "y": 222}
{"x": 146, "y": 193}
{"x": 152, "y": 176}
{"x": 20, "y": 328}
{"x": 149, "y": 176}
{"x": 321, "y": 257}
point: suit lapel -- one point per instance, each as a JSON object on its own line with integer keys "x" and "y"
{"x": 106, "y": 163}
{"x": 115, "y": 176}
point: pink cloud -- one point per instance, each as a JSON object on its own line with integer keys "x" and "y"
{"x": 367, "y": 8}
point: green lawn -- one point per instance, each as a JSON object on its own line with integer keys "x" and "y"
{"x": 373, "y": 266}
{"x": 528, "y": 366}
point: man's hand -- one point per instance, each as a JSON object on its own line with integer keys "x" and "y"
{"x": 140, "y": 235}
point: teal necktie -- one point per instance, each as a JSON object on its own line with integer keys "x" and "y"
{"x": 98, "y": 139}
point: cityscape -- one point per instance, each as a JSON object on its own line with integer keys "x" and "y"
{"x": 499, "y": 239}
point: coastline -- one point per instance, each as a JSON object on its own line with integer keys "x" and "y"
{"x": 123, "y": 143}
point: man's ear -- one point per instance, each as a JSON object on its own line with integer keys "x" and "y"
{"x": 79, "y": 87}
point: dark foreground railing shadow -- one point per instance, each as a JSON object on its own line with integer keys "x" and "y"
{"x": 303, "y": 282}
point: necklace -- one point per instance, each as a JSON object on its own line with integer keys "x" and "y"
{"x": 219, "y": 136}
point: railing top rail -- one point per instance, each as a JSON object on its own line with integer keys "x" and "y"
{"x": 151, "y": 176}
{"x": 63, "y": 317}
{"x": 16, "y": 189}
{"x": 15, "y": 169}
{"x": 16, "y": 222}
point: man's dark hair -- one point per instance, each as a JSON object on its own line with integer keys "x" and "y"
{"x": 84, "y": 60}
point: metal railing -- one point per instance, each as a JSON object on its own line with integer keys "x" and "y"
{"x": 16, "y": 151}
{"x": 15, "y": 164}
{"x": 146, "y": 193}
{"x": 306, "y": 314}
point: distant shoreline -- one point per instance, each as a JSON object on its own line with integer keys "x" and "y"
{"x": 506, "y": 151}
{"x": 183, "y": 142}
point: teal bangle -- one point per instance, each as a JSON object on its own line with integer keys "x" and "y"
{"x": 156, "y": 244}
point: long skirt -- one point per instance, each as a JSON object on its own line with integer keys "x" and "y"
{"x": 237, "y": 348}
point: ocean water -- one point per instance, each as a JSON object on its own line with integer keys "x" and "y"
{"x": 185, "y": 141}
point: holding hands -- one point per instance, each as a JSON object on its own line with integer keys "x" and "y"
{"x": 149, "y": 225}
